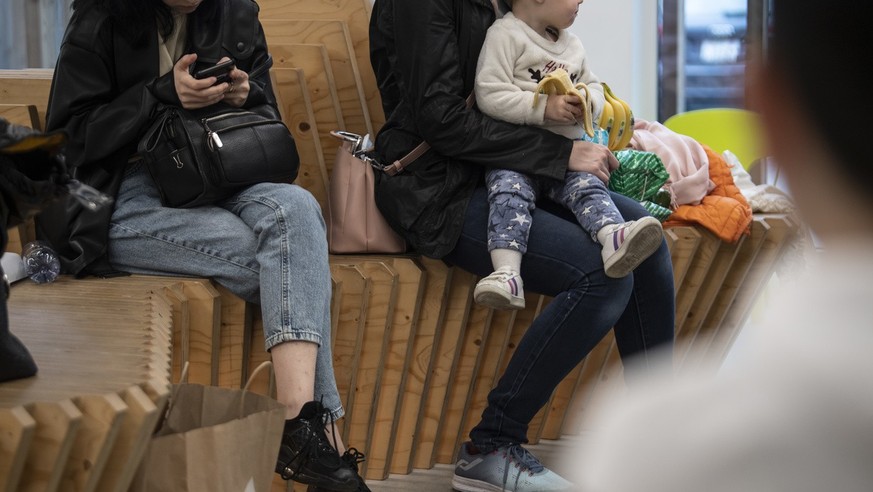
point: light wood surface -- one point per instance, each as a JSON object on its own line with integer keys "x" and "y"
{"x": 103, "y": 351}
{"x": 334, "y": 36}
{"x": 414, "y": 357}
{"x": 29, "y": 86}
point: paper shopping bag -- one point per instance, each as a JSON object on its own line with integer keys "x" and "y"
{"x": 215, "y": 439}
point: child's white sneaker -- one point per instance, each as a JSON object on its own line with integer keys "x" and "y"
{"x": 503, "y": 289}
{"x": 627, "y": 245}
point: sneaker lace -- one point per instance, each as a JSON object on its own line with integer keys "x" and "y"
{"x": 503, "y": 275}
{"x": 322, "y": 448}
{"x": 524, "y": 461}
{"x": 352, "y": 457}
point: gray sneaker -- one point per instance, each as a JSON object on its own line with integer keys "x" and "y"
{"x": 510, "y": 468}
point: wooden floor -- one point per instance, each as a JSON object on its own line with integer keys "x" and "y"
{"x": 439, "y": 478}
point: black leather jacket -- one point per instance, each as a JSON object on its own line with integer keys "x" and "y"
{"x": 424, "y": 55}
{"x": 104, "y": 94}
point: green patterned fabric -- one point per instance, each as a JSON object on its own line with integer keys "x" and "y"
{"x": 641, "y": 176}
{"x": 657, "y": 211}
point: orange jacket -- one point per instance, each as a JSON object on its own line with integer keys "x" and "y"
{"x": 724, "y": 210}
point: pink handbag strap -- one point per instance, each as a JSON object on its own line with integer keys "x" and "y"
{"x": 398, "y": 165}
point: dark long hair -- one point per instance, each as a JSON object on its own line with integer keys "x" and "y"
{"x": 139, "y": 17}
{"x": 822, "y": 48}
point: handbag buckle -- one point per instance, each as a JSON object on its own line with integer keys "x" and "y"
{"x": 358, "y": 146}
{"x": 350, "y": 141}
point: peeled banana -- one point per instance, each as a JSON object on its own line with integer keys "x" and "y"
{"x": 617, "y": 118}
{"x": 559, "y": 82}
{"x": 623, "y": 127}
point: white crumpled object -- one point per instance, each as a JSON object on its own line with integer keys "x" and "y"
{"x": 762, "y": 198}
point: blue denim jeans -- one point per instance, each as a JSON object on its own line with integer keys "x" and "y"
{"x": 267, "y": 244}
{"x": 563, "y": 262}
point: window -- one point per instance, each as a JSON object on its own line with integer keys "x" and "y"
{"x": 703, "y": 48}
{"x": 31, "y": 32}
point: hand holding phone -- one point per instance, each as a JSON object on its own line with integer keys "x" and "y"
{"x": 220, "y": 70}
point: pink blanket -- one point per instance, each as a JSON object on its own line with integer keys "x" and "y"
{"x": 684, "y": 158}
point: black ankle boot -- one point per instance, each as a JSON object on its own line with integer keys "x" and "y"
{"x": 306, "y": 455}
{"x": 351, "y": 458}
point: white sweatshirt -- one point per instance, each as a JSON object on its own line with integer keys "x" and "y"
{"x": 514, "y": 59}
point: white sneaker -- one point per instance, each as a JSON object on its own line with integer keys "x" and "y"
{"x": 503, "y": 289}
{"x": 627, "y": 245}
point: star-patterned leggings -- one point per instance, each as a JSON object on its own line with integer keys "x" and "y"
{"x": 512, "y": 198}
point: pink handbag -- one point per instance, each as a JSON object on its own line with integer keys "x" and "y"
{"x": 355, "y": 225}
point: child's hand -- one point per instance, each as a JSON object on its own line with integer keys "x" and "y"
{"x": 563, "y": 109}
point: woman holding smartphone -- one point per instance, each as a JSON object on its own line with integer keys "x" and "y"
{"x": 120, "y": 60}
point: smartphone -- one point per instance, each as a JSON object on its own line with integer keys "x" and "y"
{"x": 220, "y": 70}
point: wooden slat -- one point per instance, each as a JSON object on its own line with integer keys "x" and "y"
{"x": 181, "y": 327}
{"x": 746, "y": 252}
{"x": 494, "y": 347}
{"x": 355, "y": 15}
{"x": 236, "y": 337}
{"x": 443, "y": 362}
{"x": 374, "y": 348}
{"x": 20, "y": 114}
{"x": 733, "y": 282}
{"x": 684, "y": 242}
{"x": 386, "y": 414}
{"x": 689, "y": 336}
{"x": 205, "y": 339}
{"x": 293, "y": 96}
{"x": 349, "y": 331}
{"x": 27, "y": 86}
{"x": 102, "y": 416}
{"x": 335, "y": 37}
{"x": 326, "y": 109}
{"x": 143, "y": 413}
{"x": 56, "y": 426}
{"x": 422, "y": 350}
{"x": 19, "y": 429}
{"x": 781, "y": 231}
{"x": 463, "y": 374}
{"x": 697, "y": 273}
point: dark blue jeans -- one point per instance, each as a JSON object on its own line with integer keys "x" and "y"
{"x": 563, "y": 262}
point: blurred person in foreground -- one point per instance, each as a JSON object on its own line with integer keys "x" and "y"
{"x": 794, "y": 411}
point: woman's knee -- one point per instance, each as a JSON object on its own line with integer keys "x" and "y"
{"x": 290, "y": 203}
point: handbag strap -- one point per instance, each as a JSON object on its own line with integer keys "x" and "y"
{"x": 398, "y": 165}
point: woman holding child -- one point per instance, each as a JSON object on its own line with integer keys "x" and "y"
{"x": 425, "y": 57}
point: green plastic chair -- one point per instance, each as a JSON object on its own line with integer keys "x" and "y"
{"x": 737, "y": 130}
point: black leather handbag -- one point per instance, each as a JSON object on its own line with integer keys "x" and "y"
{"x": 197, "y": 157}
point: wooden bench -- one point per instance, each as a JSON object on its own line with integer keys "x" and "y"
{"x": 414, "y": 356}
